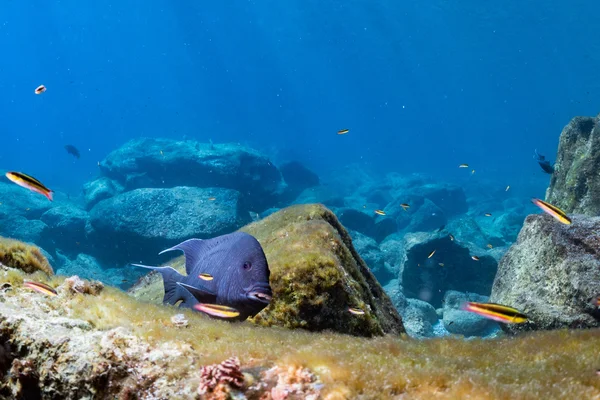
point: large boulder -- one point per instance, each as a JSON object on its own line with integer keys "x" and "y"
{"x": 167, "y": 163}
{"x": 21, "y": 228}
{"x": 16, "y": 200}
{"x": 316, "y": 275}
{"x": 575, "y": 183}
{"x": 138, "y": 224}
{"x": 451, "y": 267}
{"x": 552, "y": 274}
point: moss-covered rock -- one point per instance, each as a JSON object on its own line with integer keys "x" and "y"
{"x": 316, "y": 275}
{"x": 552, "y": 274}
{"x": 575, "y": 183}
{"x": 23, "y": 256}
{"x": 109, "y": 345}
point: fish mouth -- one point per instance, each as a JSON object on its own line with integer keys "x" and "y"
{"x": 262, "y": 294}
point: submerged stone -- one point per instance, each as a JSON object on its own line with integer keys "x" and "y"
{"x": 424, "y": 278}
{"x": 552, "y": 274}
{"x": 575, "y": 183}
{"x": 138, "y": 224}
{"x": 316, "y": 275}
{"x": 168, "y": 163}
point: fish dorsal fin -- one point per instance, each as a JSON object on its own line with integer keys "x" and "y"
{"x": 193, "y": 249}
{"x": 202, "y": 294}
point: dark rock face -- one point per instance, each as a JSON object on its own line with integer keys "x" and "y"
{"x": 165, "y": 163}
{"x": 371, "y": 254}
{"x": 142, "y": 222}
{"x": 357, "y": 220}
{"x": 552, "y": 273}
{"x": 66, "y": 228}
{"x": 575, "y": 183}
{"x": 424, "y": 278}
{"x": 298, "y": 177}
{"x": 450, "y": 198}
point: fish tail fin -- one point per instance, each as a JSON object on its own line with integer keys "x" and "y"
{"x": 170, "y": 278}
{"x": 49, "y": 195}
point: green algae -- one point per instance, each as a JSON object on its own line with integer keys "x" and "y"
{"x": 316, "y": 275}
{"x": 560, "y": 364}
{"x": 23, "y": 256}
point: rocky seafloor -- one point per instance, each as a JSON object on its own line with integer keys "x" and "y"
{"x": 408, "y": 270}
{"x": 109, "y": 345}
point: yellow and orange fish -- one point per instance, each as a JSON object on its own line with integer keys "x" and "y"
{"x": 30, "y": 183}
{"x": 40, "y": 287}
{"x": 553, "y": 211}
{"x": 217, "y": 310}
{"x": 343, "y": 131}
{"x": 40, "y": 89}
{"x": 405, "y": 206}
{"x": 496, "y": 312}
{"x": 475, "y": 258}
{"x": 431, "y": 254}
{"x": 463, "y": 166}
{"x": 488, "y": 214}
{"x": 379, "y": 212}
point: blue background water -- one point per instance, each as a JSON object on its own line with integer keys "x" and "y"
{"x": 423, "y": 86}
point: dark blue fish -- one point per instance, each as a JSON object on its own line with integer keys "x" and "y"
{"x": 238, "y": 271}
{"x": 545, "y": 164}
{"x": 72, "y": 150}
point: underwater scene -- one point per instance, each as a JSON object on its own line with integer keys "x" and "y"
{"x": 299, "y": 199}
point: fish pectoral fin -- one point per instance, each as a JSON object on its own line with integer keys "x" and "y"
{"x": 192, "y": 250}
{"x": 170, "y": 280}
{"x": 202, "y": 294}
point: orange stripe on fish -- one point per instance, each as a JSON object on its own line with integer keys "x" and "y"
{"x": 40, "y": 287}
{"x": 496, "y": 312}
{"x": 217, "y": 310}
{"x": 553, "y": 211}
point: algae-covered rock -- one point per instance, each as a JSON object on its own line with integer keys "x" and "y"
{"x": 575, "y": 183}
{"x": 23, "y": 256}
{"x": 316, "y": 275}
{"x": 552, "y": 274}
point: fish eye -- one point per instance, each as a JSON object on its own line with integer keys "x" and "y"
{"x": 247, "y": 265}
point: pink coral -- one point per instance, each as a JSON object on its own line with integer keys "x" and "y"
{"x": 226, "y": 373}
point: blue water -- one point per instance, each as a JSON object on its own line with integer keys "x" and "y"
{"x": 422, "y": 86}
